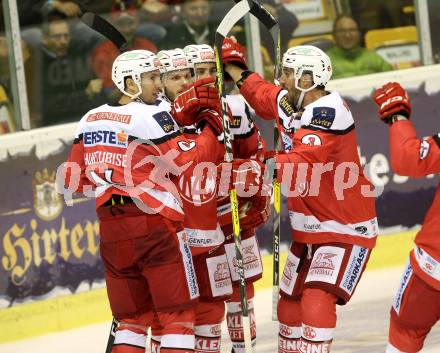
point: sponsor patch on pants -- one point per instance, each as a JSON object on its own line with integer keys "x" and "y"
{"x": 326, "y": 264}
{"x": 290, "y": 274}
{"x": 219, "y": 275}
{"x": 354, "y": 268}
{"x": 407, "y": 274}
{"x": 188, "y": 265}
{"x": 251, "y": 258}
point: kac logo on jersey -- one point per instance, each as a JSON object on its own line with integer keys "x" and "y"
{"x": 323, "y": 117}
{"x": 311, "y": 140}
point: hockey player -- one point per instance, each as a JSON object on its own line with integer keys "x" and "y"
{"x": 415, "y": 309}
{"x": 334, "y": 226}
{"x": 198, "y": 190}
{"x": 129, "y": 155}
{"x": 247, "y": 143}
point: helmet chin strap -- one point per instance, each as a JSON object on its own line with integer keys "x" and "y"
{"x": 303, "y": 91}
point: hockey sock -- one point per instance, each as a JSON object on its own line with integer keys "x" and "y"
{"x": 318, "y": 309}
{"x": 289, "y": 316}
{"x": 129, "y": 340}
{"x": 177, "y": 332}
{"x": 209, "y": 317}
{"x": 156, "y": 334}
{"x": 235, "y": 326}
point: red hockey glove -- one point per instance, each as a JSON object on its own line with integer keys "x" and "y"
{"x": 254, "y": 211}
{"x": 244, "y": 175}
{"x": 211, "y": 118}
{"x": 392, "y": 99}
{"x": 198, "y": 96}
{"x": 233, "y": 53}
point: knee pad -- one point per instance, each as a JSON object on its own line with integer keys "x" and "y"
{"x": 209, "y": 312}
{"x": 131, "y": 334}
{"x": 209, "y": 317}
{"x": 250, "y": 292}
{"x": 318, "y": 311}
{"x": 289, "y": 316}
{"x": 289, "y": 312}
{"x": 318, "y": 308}
{"x": 177, "y": 331}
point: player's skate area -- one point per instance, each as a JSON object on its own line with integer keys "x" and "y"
{"x": 362, "y": 327}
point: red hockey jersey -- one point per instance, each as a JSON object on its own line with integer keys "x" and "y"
{"x": 415, "y": 157}
{"x": 135, "y": 150}
{"x": 330, "y": 199}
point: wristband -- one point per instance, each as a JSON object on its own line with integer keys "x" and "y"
{"x": 244, "y": 75}
{"x": 397, "y": 117}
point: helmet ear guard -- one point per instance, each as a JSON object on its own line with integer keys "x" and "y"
{"x": 133, "y": 64}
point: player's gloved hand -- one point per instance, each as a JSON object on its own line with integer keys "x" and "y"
{"x": 233, "y": 53}
{"x": 392, "y": 99}
{"x": 198, "y": 96}
{"x": 211, "y": 118}
{"x": 244, "y": 175}
{"x": 254, "y": 211}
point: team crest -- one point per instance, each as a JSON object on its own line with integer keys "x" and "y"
{"x": 48, "y": 203}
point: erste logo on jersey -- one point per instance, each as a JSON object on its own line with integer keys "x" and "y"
{"x": 105, "y": 137}
{"x": 323, "y": 117}
{"x": 165, "y": 121}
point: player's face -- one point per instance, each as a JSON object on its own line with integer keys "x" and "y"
{"x": 287, "y": 81}
{"x": 175, "y": 82}
{"x": 205, "y": 70}
{"x": 151, "y": 86}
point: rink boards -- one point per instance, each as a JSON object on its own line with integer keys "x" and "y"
{"x": 50, "y": 273}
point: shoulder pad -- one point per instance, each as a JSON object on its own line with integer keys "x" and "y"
{"x": 329, "y": 113}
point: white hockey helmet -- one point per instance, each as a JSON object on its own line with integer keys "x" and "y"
{"x": 174, "y": 60}
{"x": 199, "y": 53}
{"x": 133, "y": 63}
{"x": 308, "y": 58}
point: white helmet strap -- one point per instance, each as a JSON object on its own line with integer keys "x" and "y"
{"x": 303, "y": 90}
{"x": 135, "y": 95}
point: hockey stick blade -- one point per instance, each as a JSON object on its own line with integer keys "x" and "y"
{"x": 105, "y": 28}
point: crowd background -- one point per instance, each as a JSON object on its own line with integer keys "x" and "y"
{"x": 67, "y": 65}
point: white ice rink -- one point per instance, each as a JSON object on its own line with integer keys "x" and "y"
{"x": 362, "y": 325}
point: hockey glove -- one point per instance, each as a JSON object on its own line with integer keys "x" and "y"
{"x": 233, "y": 53}
{"x": 200, "y": 95}
{"x": 392, "y": 99}
{"x": 210, "y": 118}
{"x": 254, "y": 211}
{"x": 242, "y": 174}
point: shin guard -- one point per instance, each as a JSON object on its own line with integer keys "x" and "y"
{"x": 209, "y": 317}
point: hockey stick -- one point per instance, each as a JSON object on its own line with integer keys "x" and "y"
{"x": 111, "y": 336}
{"x": 232, "y": 17}
{"x": 272, "y": 26}
{"x": 102, "y": 26}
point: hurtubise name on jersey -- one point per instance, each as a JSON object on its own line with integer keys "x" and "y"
{"x": 116, "y": 159}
